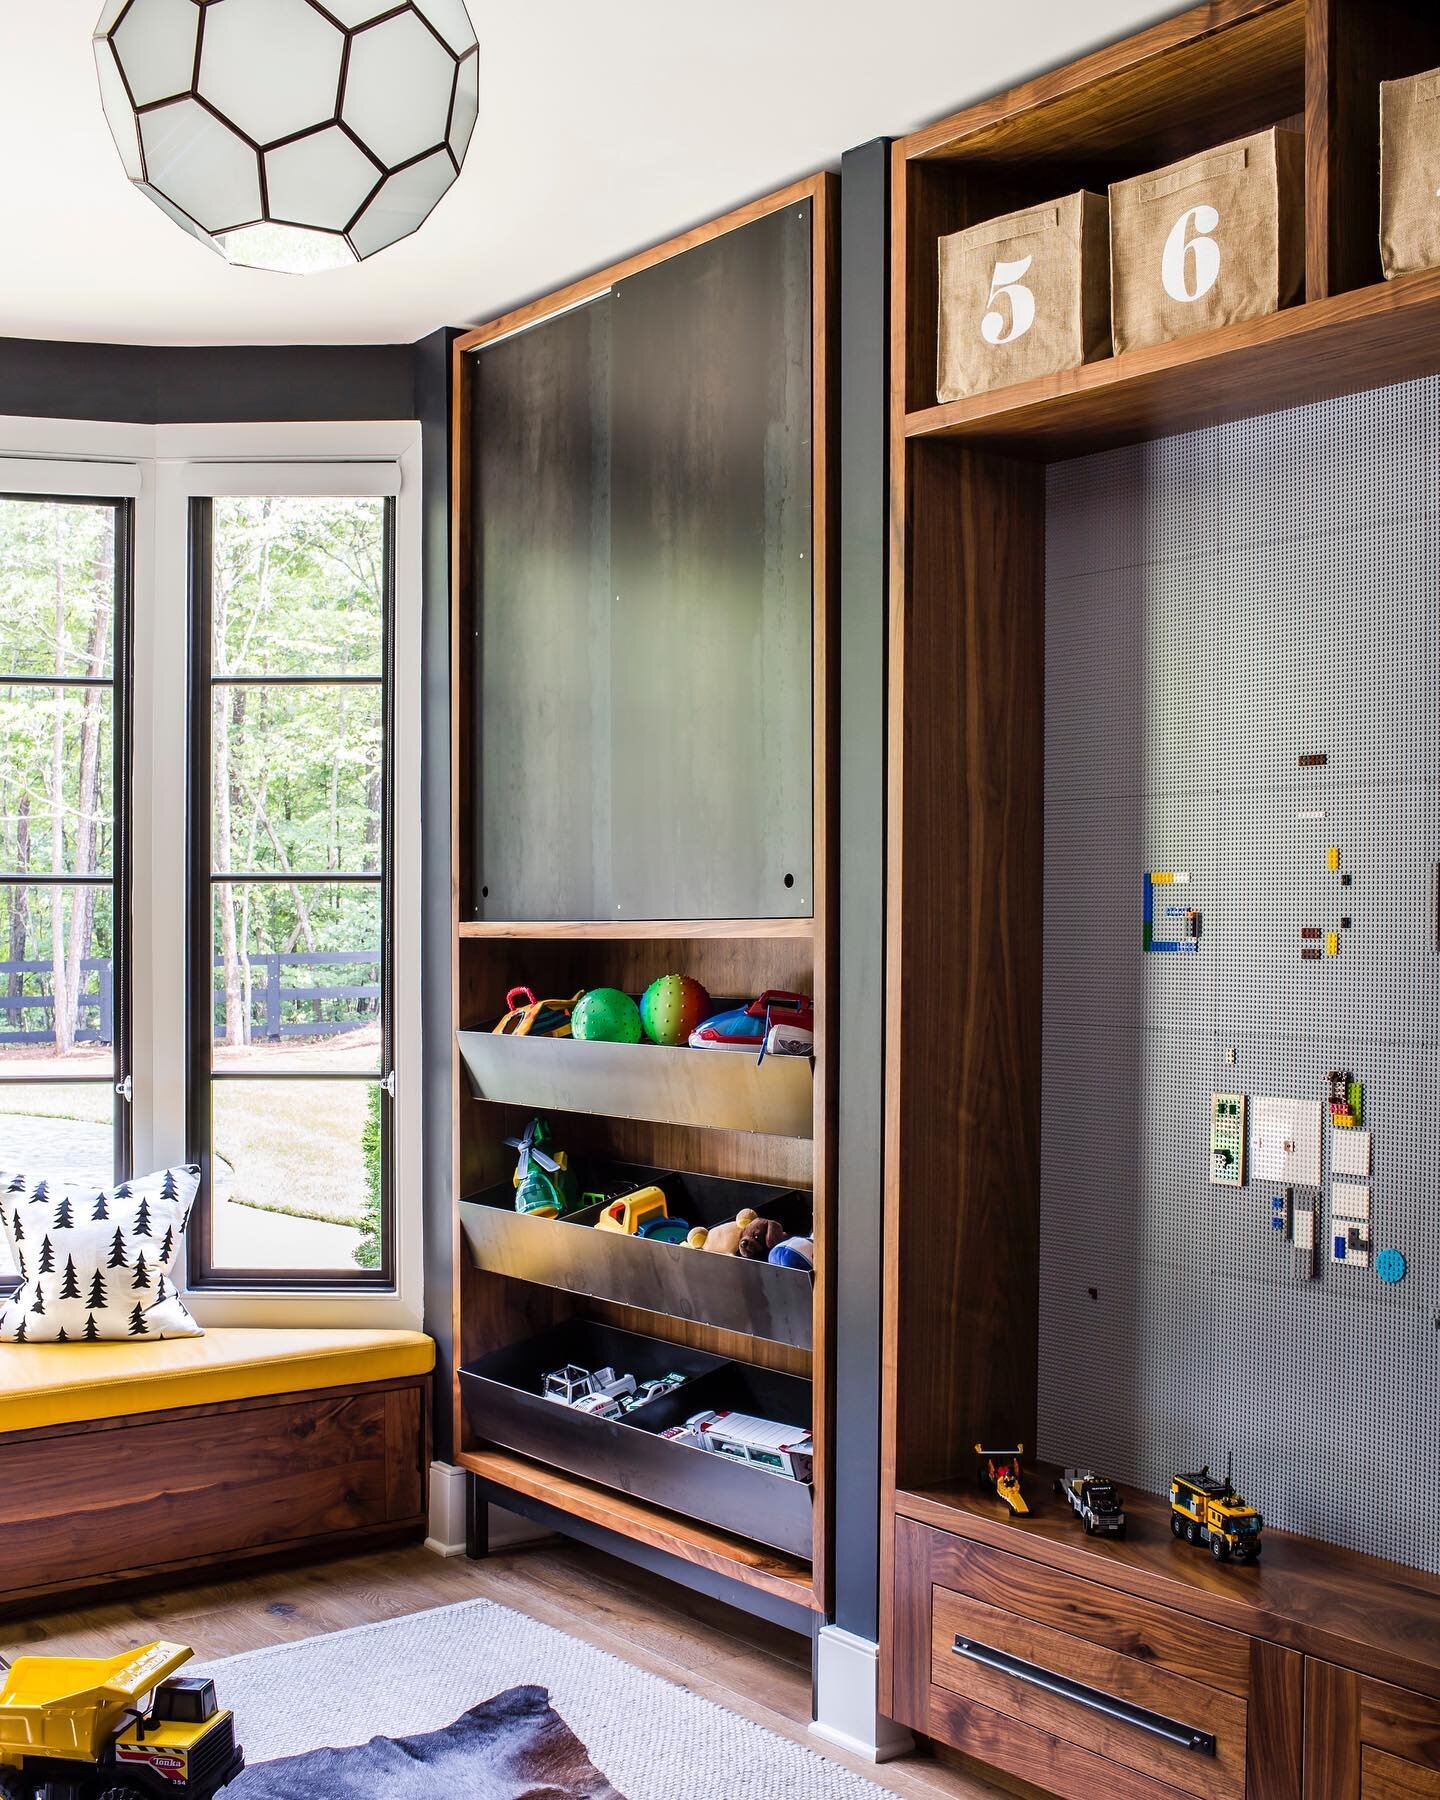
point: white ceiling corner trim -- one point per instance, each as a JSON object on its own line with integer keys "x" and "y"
{"x": 602, "y": 129}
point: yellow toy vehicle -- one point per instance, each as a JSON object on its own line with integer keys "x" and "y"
{"x": 1000, "y": 1469}
{"x": 1206, "y": 1510}
{"x": 77, "y": 1728}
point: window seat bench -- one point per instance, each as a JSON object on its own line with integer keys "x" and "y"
{"x": 124, "y": 1463}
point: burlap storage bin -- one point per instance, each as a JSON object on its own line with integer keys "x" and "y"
{"x": 1024, "y": 295}
{"x": 1210, "y": 240}
{"x": 1410, "y": 174}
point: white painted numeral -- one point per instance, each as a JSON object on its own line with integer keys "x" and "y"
{"x": 1006, "y": 280}
{"x": 1190, "y": 266}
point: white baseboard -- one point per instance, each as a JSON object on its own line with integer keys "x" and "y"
{"x": 447, "y": 1510}
{"x": 847, "y": 1714}
{"x": 447, "y": 1517}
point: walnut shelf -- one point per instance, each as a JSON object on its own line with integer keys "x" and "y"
{"x": 770, "y": 1570}
{"x": 1333, "y": 1604}
{"x": 1368, "y": 338}
{"x": 625, "y": 929}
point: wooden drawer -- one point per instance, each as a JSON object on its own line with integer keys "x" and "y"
{"x": 1366, "y": 1740}
{"x": 1149, "y": 1718}
{"x": 1084, "y": 1689}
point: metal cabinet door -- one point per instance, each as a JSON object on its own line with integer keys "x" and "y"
{"x": 711, "y": 631}
{"x": 540, "y": 687}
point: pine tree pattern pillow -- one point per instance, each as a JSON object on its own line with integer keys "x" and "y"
{"x": 96, "y": 1267}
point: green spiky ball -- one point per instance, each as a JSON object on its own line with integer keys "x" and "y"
{"x": 606, "y": 1016}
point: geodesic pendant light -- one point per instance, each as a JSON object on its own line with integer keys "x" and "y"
{"x": 296, "y": 135}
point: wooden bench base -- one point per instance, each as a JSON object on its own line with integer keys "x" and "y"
{"x": 168, "y": 1494}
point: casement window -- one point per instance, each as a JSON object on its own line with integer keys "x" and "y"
{"x": 210, "y": 842}
{"x": 291, "y": 1067}
{"x": 65, "y": 769}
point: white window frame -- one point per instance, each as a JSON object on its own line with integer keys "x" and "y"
{"x": 162, "y": 467}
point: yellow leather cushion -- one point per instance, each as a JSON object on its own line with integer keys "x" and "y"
{"x": 59, "y": 1384}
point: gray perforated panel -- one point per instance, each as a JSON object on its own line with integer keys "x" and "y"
{"x": 1218, "y": 606}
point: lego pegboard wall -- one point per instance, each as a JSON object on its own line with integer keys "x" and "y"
{"x": 1241, "y": 679}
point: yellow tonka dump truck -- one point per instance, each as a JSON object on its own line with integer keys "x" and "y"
{"x": 74, "y": 1728}
{"x": 1206, "y": 1510}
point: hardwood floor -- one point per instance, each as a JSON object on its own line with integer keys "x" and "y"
{"x": 755, "y": 1669}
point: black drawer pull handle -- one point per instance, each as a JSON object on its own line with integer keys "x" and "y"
{"x": 1186, "y": 1736}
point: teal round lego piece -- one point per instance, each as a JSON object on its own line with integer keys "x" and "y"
{"x": 606, "y": 1016}
{"x": 1390, "y": 1265}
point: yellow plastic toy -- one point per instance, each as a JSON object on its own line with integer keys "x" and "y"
{"x": 79, "y": 1726}
{"x": 1206, "y": 1510}
{"x": 634, "y": 1211}
{"x": 1000, "y": 1469}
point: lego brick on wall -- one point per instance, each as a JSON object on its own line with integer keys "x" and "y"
{"x": 1242, "y": 669}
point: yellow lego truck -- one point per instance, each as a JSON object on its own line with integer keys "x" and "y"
{"x": 1206, "y": 1510}
{"x": 77, "y": 1728}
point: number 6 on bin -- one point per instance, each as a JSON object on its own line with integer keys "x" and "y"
{"x": 1201, "y": 250}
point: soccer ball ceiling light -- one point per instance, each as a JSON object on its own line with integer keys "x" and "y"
{"x": 296, "y": 135}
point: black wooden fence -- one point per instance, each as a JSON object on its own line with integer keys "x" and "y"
{"x": 277, "y": 1010}
{"x": 35, "y": 995}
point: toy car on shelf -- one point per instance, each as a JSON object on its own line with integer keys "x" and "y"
{"x": 1206, "y": 1510}
{"x": 573, "y": 1385}
{"x": 604, "y": 1394}
{"x": 777, "y": 1024}
{"x": 651, "y": 1390}
{"x": 1098, "y": 1504}
{"x": 633, "y": 1212}
{"x": 1000, "y": 1470}
{"x": 763, "y": 1443}
{"x": 79, "y": 1727}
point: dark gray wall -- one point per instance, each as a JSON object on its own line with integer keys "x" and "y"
{"x": 864, "y": 476}
{"x": 144, "y": 384}
{"x": 432, "y": 404}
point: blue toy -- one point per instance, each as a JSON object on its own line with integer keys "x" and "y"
{"x": 795, "y": 1253}
{"x": 665, "y": 1231}
{"x": 778, "y": 1024}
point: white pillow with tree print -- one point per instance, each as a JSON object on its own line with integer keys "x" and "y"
{"x": 96, "y": 1267}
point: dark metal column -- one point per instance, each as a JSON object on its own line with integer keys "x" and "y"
{"x": 432, "y": 407}
{"x": 864, "y": 484}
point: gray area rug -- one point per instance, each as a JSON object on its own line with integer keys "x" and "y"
{"x": 653, "y": 1740}
{"x": 514, "y": 1747}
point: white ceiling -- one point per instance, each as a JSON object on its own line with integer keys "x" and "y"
{"x": 603, "y": 127}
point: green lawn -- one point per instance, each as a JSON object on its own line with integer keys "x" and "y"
{"x": 294, "y": 1146}
{"x": 291, "y": 1146}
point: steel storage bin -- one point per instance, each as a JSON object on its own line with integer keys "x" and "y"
{"x": 503, "y": 1400}
{"x": 725, "y": 1090}
{"x": 725, "y": 1291}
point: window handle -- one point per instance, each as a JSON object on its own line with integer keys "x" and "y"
{"x": 388, "y": 1083}
{"x": 126, "y": 1090}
